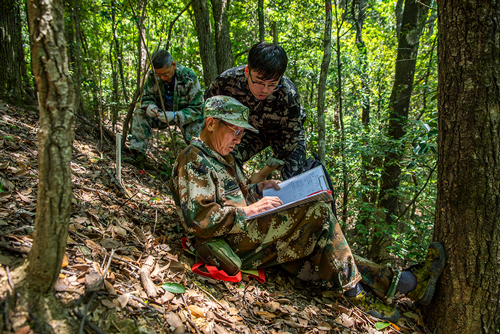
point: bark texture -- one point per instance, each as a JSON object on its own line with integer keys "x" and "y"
{"x": 325, "y": 64}
{"x": 205, "y": 40}
{"x": 50, "y": 67}
{"x": 12, "y": 65}
{"x": 468, "y": 199}
{"x": 223, "y": 50}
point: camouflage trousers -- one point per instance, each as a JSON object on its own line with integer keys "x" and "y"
{"x": 307, "y": 242}
{"x": 143, "y": 123}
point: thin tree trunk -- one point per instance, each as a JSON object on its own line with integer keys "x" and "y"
{"x": 118, "y": 52}
{"x": 224, "y": 52}
{"x": 414, "y": 14}
{"x": 468, "y": 190}
{"x": 345, "y": 193}
{"x": 368, "y": 198}
{"x": 79, "y": 108}
{"x": 12, "y": 64}
{"x": 56, "y": 95}
{"x": 205, "y": 40}
{"x": 262, "y": 21}
{"x": 325, "y": 64}
{"x": 114, "y": 93}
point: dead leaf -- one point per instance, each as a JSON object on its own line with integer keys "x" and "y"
{"x": 23, "y": 330}
{"x": 265, "y": 315}
{"x": 60, "y": 285}
{"x": 196, "y": 311}
{"x": 65, "y": 261}
{"x": 108, "y": 303}
{"x": 123, "y": 299}
{"x": 80, "y": 267}
{"x": 174, "y": 320}
{"x": 109, "y": 287}
{"x": 346, "y": 320}
{"x": 324, "y": 326}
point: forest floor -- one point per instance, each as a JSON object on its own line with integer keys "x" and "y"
{"x": 132, "y": 230}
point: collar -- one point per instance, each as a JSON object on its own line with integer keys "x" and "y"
{"x": 228, "y": 159}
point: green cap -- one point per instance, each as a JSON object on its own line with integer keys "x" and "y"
{"x": 229, "y": 110}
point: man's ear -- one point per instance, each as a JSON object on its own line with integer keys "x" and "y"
{"x": 210, "y": 123}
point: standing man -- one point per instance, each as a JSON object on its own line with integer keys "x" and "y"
{"x": 275, "y": 110}
{"x": 182, "y": 99}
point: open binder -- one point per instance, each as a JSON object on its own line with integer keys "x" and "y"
{"x": 307, "y": 187}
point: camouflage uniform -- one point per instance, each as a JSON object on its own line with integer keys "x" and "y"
{"x": 279, "y": 119}
{"x": 188, "y": 107}
{"x": 209, "y": 191}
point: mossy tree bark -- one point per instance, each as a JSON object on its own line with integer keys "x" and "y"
{"x": 50, "y": 68}
{"x": 468, "y": 187}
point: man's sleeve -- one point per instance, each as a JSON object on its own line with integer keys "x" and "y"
{"x": 191, "y": 101}
{"x": 203, "y": 216}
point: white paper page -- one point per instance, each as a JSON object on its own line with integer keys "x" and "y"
{"x": 300, "y": 186}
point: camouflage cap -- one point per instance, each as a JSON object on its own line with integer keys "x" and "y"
{"x": 229, "y": 110}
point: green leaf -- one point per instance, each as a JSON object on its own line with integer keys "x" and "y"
{"x": 382, "y": 325}
{"x": 174, "y": 287}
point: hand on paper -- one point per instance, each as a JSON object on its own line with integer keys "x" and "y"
{"x": 266, "y": 203}
{"x": 269, "y": 184}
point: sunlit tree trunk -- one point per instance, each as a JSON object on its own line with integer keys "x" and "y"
{"x": 224, "y": 52}
{"x": 262, "y": 20}
{"x": 55, "y": 138}
{"x": 468, "y": 188}
{"x": 205, "y": 40}
{"x": 414, "y": 15}
{"x": 325, "y": 64}
{"x": 12, "y": 65}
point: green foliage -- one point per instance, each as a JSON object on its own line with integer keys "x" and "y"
{"x": 355, "y": 154}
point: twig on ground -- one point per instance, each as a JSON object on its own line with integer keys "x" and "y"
{"x": 89, "y": 323}
{"x": 190, "y": 319}
{"x": 84, "y": 316}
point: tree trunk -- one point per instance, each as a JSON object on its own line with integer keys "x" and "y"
{"x": 118, "y": 53}
{"x": 78, "y": 61}
{"x": 345, "y": 193}
{"x": 414, "y": 14}
{"x": 114, "y": 93}
{"x": 468, "y": 190}
{"x": 12, "y": 65}
{"x": 224, "y": 52}
{"x": 325, "y": 64}
{"x": 50, "y": 67}
{"x": 262, "y": 20}
{"x": 205, "y": 40}
{"x": 367, "y": 198}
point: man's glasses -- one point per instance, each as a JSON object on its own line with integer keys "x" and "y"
{"x": 263, "y": 85}
{"x": 237, "y": 132}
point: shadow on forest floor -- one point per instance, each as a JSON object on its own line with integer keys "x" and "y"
{"x": 137, "y": 223}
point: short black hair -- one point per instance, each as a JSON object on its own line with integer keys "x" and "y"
{"x": 162, "y": 58}
{"x": 269, "y": 60}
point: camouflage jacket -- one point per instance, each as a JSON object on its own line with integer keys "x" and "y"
{"x": 279, "y": 118}
{"x": 209, "y": 191}
{"x": 188, "y": 97}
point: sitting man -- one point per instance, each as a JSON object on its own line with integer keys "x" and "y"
{"x": 182, "y": 100}
{"x": 274, "y": 110}
{"x": 213, "y": 201}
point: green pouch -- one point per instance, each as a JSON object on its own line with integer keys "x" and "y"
{"x": 217, "y": 253}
